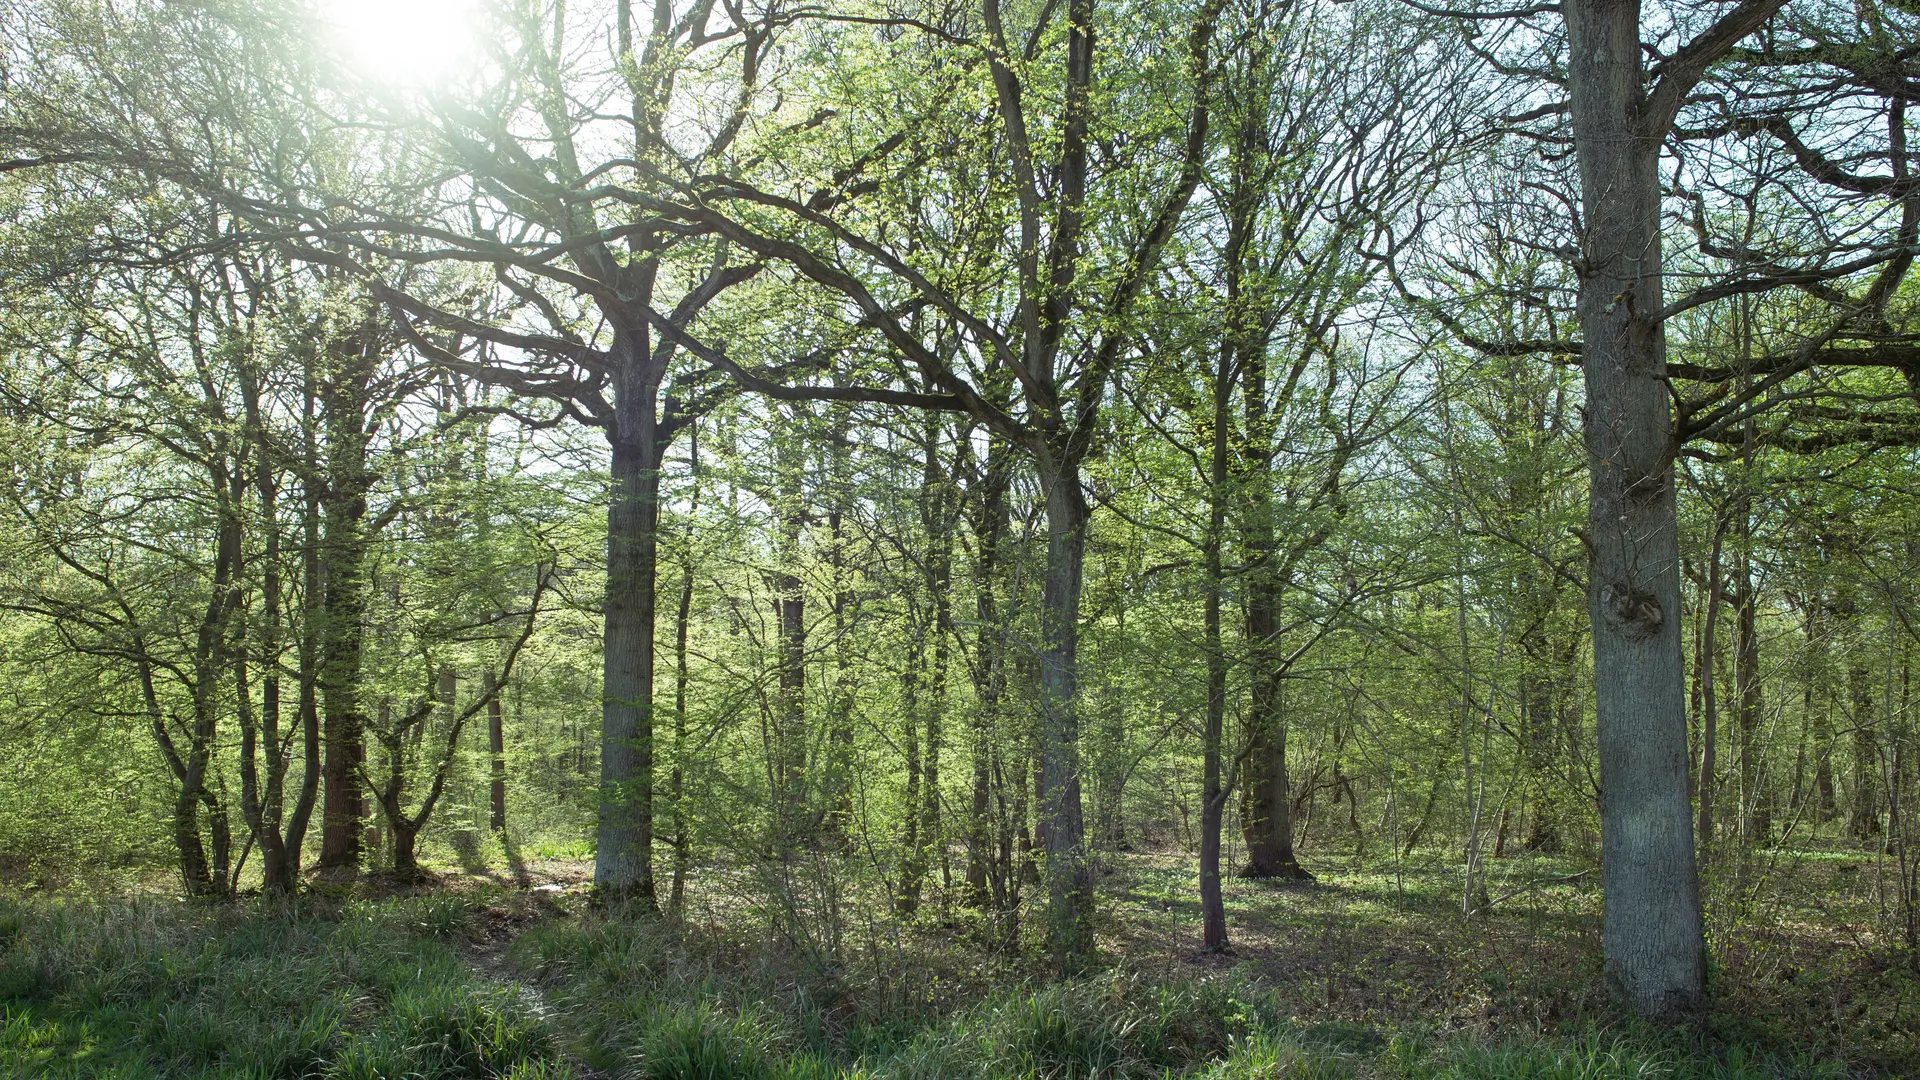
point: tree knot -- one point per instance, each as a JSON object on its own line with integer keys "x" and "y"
{"x": 1635, "y": 613}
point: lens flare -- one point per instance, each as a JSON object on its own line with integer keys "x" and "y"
{"x": 406, "y": 42}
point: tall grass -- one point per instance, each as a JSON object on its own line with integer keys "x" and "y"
{"x": 655, "y": 1006}
{"x": 380, "y": 991}
{"x": 153, "y": 989}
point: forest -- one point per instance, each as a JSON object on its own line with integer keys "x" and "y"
{"x": 1055, "y": 539}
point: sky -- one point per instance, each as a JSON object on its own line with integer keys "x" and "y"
{"x": 405, "y": 42}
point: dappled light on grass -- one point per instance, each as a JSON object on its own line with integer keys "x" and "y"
{"x": 1367, "y": 975}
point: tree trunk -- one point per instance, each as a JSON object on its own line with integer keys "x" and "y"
{"x": 1864, "y": 822}
{"x": 912, "y": 857}
{"x": 1755, "y": 813}
{"x": 927, "y": 704}
{"x": 497, "y": 757}
{"x": 838, "y": 783}
{"x": 195, "y": 872}
{"x": 989, "y": 677}
{"x": 1213, "y": 797}
{"x": 790, "y": 601}
{"x": 344, "y": 422}
{"x": 623, "y": 858}
{"x": 1069, "y": 876}
{"x": 406, "y": 865}
{"x": 1705, "y": 666}
{"x": 1540, "y": 717}
{"x": 1266, "y": 803}
{"x": 682, "y": 623}
{"x": 312, "y": 767}
{"x": 343, "y": 571}
{"x": 677, "y": 779}
{"x": 1819, "y": 709}
{"x": 1653, "y": 943}
{"x": 939, "y": 525}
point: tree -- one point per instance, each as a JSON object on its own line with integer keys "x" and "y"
{"x": 1060, "y": 328}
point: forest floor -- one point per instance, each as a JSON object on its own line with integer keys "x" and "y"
{"x": 1367, "y": 972}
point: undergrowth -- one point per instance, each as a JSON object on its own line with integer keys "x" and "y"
{"x": 367, "y": 991}
{"x": 645, "y": 1002}
{"x": 381, "y": 990}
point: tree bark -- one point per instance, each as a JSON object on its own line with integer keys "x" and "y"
{"x": 677, "y": 779}
{"x": 1755, "y": 814}
{"x": 1706, "y": 670}
{"x": 789, "y": 768}
{"x": 934, "y": 635}
{"x": 497, "y": 758}
{"x": 987, "y": 866}
{"x": 1864, "y": 821}
{"x": 1069, "y": 875}
{"x": 343, "y": 582}
{"x": 263, "y": 796}
{"x": 1213, "y": 796}
{"x": 1653, "y": 943}
{"x": 623, "y": 860}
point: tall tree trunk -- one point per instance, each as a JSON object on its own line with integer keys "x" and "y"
{"x": 1864, "y": 822}
{"x": 343, "y": 572}
{"x": 1540, "y": 717}
{"x": 195, "y": 871}
{"x": 312, "y": 588}
{"x": 497, "y": 759}
{"x": 1818, "y": 696}
{"x": 677, "y": 780}
{"x": 1755, "y": 813}
{"x": 1266, "y": 803}
{"x": 1707, "y": 671}
{"x": 984, "y": 884}
{"x": 1213, "y": 796}
{"x": 838, "y": 795}
{"x": 623, "y": 859}
{"x": 790, "y": 600}
{"x": 262, "y": 797}
{"x": 1069, "y": 875}
{"x": 939, "y": 525}
{"x": 1653, "y": 943}
{"x": 682, "y": 623}
{"x": 912, "y": 854}
{"x": 923, "y": 765}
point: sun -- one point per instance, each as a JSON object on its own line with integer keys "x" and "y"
{"x": 405, "y": 42}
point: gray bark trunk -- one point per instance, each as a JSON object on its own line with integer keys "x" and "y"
{"x": 497, "y": 755}
{"x": 1655, "y": 953}
{"x": 1069, "y": 876}
{"x": 623, "y": 857}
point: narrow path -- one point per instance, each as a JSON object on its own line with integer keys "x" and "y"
{"x": 485, "y": 949}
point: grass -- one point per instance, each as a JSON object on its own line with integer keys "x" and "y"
{"x": 644, "y": 1001}
{"x": 156, "y": 989}
{"x": 1366, "y": 975}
